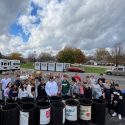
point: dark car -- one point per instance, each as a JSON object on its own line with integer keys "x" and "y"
{"x": 75, "y": 69}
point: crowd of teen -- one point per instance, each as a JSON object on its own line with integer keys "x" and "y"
{"x": 59, "y": 84}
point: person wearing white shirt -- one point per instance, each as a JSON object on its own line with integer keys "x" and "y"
{"x": 23, "y": 91}
{"x": 92, "y": 79}
{"x": 51, "y": 87}
{"x": 4, "y": 82}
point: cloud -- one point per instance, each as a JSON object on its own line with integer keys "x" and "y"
{"x": 9, "y": 10}
{"x": 86, "y": 24}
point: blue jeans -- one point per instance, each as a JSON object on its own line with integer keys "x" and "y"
{"x": 3, "y": 95}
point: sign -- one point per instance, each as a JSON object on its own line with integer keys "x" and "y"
{"x": 44, "y": 116}
{"x": 71, "y": 113}
{"x": 85, "y": 112}
{"x": 24, "y": 118}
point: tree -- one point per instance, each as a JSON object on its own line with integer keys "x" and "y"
{"x": 118, "y": 54}
{"x": 102, "y": 54}
{"x": 15, "y": 56}
{"x": 70, "y": 55}
{"x": 1, "y": 56}
{"x": 46, "y": 57}
{"x": 79, "y": 56}
{"x": 32, "y": 57}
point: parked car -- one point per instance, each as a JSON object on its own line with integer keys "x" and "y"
{"x": 116, "y": 71}
{"x": 75, "y": 69}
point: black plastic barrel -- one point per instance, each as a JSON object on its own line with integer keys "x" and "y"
{"x": 43, "y": 113}
{"x": 10, "y": 101}
{"x": 10, "y": 114}
{"x": 42, "y": 98}
{"x": 58, "y": 113}
{"x": 66, "y": 97}
{"x": 123, "y": 105}
{"x": 55, "y": 99}
{"x": 85, "y": 111}
{"x": 98, "y": 111}
{"x": 72, "y": 112}
{"x": 1, "y": 104}
{"x": 27, "y": 100}
{"x": 27, "y": 114}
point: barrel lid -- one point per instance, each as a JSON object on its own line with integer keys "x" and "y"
{"x": 7, "y": 108}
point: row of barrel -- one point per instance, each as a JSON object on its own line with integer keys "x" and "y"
{"x": 52, "y": 111}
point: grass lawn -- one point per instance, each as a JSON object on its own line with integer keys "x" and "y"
{"x": 27, "y": 65}
{"x": 94, "y": 69}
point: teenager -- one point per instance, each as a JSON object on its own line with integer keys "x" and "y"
{"x": 117, "y": 102}
{"x": 23, "y": 91}
{"x": 65, "y": 86}
{"x": 41, "y": 88}
{"x": 4, "y": 83}
{"x": 13, "y": 94}
{"x": 7, "y": 90}
{"x": 51, "y": 87}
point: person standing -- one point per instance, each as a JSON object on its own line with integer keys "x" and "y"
{"x": 17, "y": 81}
{"x": 41, "y": 88}
{"x": 51, "y": 87}
{"x": 4, "y": 82}
{"x": 65, "y": 86}
{"x": 13, "y": 94}
{"x": 117, "y": 102}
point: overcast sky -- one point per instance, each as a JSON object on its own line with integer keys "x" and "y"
{"x": 50, "y": 25}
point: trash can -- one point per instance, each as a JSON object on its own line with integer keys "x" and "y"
{"x": 43, "y": 112}
{"x": 72, "y": 112}
{"x": 10, "y": 114}
{"x": 58, "y": 113}
{"x": 66, "y": 97}
{"x": 1, "y": 102}
{"x": 27, "y": 114}
{"x": 123, "y": 105}
{"x": 55, "y": 99}
{"x": 85, "y": 111}
{"x": 98, "y": 111}
{"x": 10, "y": 101}
{"x": 27, "y": 100}
{"x": 42, "y": 98}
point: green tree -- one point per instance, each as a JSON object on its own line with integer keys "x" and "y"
{"x": 15, "y": 56}
{"x": 70, "y": 55}
{"x": 1, "y": 56}
{"x": 79, "y": 56}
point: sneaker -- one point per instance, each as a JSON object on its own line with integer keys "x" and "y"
{"x": 114, "y": 114}
{"x": 119, "y": 117}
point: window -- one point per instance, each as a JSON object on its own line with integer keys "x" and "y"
{"x": 120, "y": 69}
{"x": 5, "y": 64}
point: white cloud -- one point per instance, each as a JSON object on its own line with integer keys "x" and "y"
{"x": 86, "y": 24}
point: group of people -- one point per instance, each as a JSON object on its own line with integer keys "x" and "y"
{"x": 59, "y": 84}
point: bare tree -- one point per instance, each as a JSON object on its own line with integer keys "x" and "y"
{"x": 118, "y": 53}
{"x": 46, "y": 57}
{"x": 102, "y": 54}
